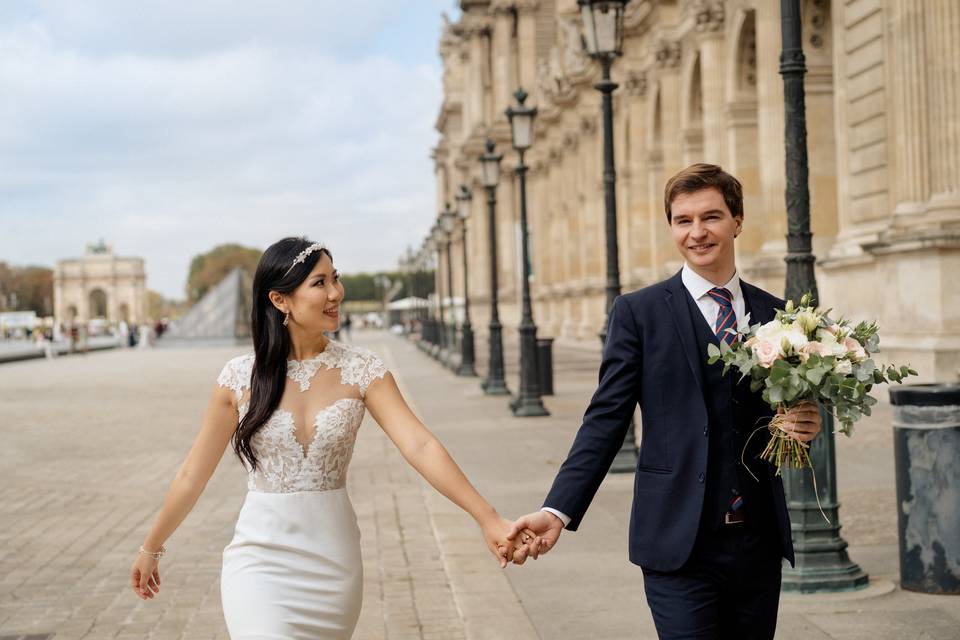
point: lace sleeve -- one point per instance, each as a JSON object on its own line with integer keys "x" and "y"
{"x": 235, "y": 375}
{"x": 364, "y": 368}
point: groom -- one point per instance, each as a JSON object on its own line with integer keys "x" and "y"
{"x": 709, "y": 522}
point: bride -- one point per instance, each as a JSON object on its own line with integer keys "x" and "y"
{"x": 291, "y": 410}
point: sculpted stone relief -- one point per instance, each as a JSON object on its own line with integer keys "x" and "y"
{"x": 708, "y": 15}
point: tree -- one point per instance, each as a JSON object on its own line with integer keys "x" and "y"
{"x": 208, "y": 269}
{"x": 160, "y": 307}
{"x": 26, "y": 289}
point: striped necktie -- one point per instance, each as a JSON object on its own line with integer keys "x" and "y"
{"x": 726, "y": 318}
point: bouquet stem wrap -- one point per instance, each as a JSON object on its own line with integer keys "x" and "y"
{"x": 784, "y": 449}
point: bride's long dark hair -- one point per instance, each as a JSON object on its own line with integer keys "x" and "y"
{"x": 271, "y": 341}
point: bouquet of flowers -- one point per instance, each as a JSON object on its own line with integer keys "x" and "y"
{"x": 803, "y": 355}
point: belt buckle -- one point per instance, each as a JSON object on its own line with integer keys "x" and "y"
{"x": 733, "y": 517}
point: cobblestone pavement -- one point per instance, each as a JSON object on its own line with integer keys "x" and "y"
{"x": 90, "y": 443}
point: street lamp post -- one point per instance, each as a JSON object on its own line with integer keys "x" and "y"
{"x": 467, "y": 357}
{"x": 528, "y": 401}
{"x": 822, "y": 562}
{"x": 439, "y": 238}
{"x": 495, "y": 384}
{"x": 603, "y": 30}
{"x": 427, "y": 314}
{"x": 448, "y": 221}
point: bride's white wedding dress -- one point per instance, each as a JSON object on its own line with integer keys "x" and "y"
{"x": 293, "y": 568}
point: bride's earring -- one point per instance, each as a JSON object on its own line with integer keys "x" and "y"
{"x": 286, "y": 318}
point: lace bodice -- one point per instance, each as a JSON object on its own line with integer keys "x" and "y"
{"x": 283, "y": 464}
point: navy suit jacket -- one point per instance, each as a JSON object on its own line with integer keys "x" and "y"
{"x": 652, "y": 358}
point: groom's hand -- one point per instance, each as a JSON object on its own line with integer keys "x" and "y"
{"x": 803, "y": 421}
{"x": 545, "y": 525}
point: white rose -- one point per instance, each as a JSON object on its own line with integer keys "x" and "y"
{"x": 775, "y": 334}
{"x": 854, "y": 350}
{"x": 843, "y": 367}
{"x": 830, "y": 344}
{"x": 766, "y": 352}
{"x": 795, "y": 336}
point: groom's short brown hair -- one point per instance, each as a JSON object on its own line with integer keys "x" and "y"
{"x": 704, "y": 176}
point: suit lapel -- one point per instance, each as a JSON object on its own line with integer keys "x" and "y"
{"x": 759, "y": 311}
{"x": 680, "y": 315}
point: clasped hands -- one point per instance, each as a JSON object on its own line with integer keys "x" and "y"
{"x": 527, "y": 537}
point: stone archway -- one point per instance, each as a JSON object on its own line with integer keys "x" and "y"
{"x": 98, "y": 304}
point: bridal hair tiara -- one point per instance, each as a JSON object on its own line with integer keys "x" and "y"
{"x": 302, "y": 256}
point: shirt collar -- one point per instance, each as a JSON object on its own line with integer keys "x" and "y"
{"x": 698, "y": 286}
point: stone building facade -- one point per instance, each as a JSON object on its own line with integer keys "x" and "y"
{"x": 699, "y": 81}
{"x": 100, "y": 285}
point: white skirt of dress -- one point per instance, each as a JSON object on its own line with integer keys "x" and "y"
{"x": 293, "y": 568}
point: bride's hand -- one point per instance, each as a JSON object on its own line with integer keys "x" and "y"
{"x": 145, "y": 577}
{"x": 495, "y": 532}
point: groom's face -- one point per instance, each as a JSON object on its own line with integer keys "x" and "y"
{"x": 703, "y": 229}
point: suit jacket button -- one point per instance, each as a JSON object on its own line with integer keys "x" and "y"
{"x": 705, "y": 432}
{"x": 700, "y": 477}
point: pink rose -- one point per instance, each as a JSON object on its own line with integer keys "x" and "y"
{"x": 855, "y": 349}
{"x": 766, "y": 352}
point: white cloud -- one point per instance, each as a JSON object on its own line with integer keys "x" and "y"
{"x": 167, "y": 129}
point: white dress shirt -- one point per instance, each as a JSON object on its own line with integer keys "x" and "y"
{"x": 698, "y": 286}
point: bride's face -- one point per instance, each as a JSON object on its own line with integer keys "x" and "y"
{"x": 315, "y": 304}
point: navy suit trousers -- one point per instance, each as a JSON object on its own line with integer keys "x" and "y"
{"x": 728, "y": 588}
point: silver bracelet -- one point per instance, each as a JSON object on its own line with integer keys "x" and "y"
{"x": 156, "y": 555}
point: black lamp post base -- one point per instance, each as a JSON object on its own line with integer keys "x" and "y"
{"x": 495, "y": 387}
{"x": 467, "y": 353}
{"x": 528, "y": 407}
{"x": 829, "y": 570}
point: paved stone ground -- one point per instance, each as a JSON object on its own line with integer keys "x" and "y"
{"x": 90, "y": 443}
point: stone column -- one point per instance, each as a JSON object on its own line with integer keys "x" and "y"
{"x": 668, "y": 60}
{"x": 769, "y": 268}
{"x": 504, "y": 63}
{"x": 710, "y": 22}
{"x": 943, "y": 104}
{"x": 912, "y": 185}
{"x": 635, "y": 256}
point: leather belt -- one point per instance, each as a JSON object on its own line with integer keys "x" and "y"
{"x": 734, "y": 517}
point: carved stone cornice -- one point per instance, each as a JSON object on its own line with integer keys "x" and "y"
{"x": 509, "y": 6}
{"x": 474, "y": 6}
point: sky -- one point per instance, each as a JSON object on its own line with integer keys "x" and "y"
{"x": 167, "y": 127}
